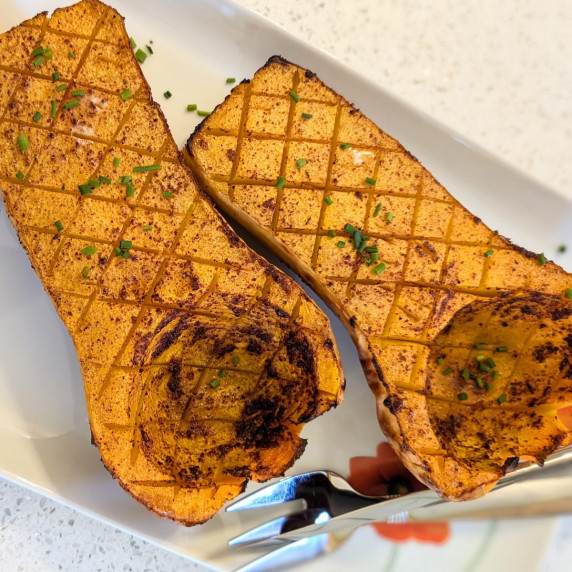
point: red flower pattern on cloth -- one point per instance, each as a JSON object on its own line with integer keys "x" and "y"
{"x": 373, "y": 475}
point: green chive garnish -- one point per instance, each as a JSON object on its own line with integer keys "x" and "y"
{"x": 78, "y": 93}
{"x": 146, "y": 168}
{"x": 167, "y": 194}
{"x": 116, "y": 162}
{"x": 48, "y": 53}
{"x": 374, "y": 257}
{"x": 54, "y": 108}
{"x": 349, "y": 228}
{"x": 440, "y": 361}
{"x": 357, "y": 238}
{"x": 94, "y": 183}
{"x": 294, "y": 96}
{"x": 462, "y": 396}
{"x": 126, "y": 94}
{"x": 20, "y": 175}
{"x": 85, "y": 189}
{"x": 117, "y": 251}
{"x": 23, "y": 143}
{"x": 130, "y": 190}
{"x": 379, "y": 268}
{"x": 490, "y": 386}
{"x": 125, "y": 179}
{"x": 58, "y": 224}
{"x": 125, "y": 254}
{"x": 203, "y": 113}
{"x": 71, "y": 54}
{"x": 230, "y": 80}
{"x": 488, "y": 253}
{"x": 484, "y": 367}
{"x": 222, "y": 373}
{"x": 85, "y": 272}
{"x": 491, "y": 362}
{"x": 105, "y": 180}
{"x": 140, "y": 56}
{"x": 37, "y": 117}
{"x": 495, "y": 373}
{"x": 480, "y": 346}
{"x": 147, "y": 227}
{"x": 480, "y": 382}
{"x": 480, "y": 357}
{"x": 192, "y": 107}
{"x": 235, "y": 360}
{"x": 56, "y": 76}
{"x": 377, "y": 209}
{"x": 371, "y": 249}
{"x": 465, "y": 374}
{"x": 280, "y": 183}
{"x": 340, "y": 244}
{"x": 562, "y": 248}
{"x": 125, "y": 244}
{"x": 215, "y": 383}
{"x": 568, "y": 293}
{"x": 541, "y": 259}
{"x": 502, "y": 399}
{"x": 168, "y": 94}
{"x": 328, "y": 201}
{"x": 370, "y": 181}
{"x": 149, "y": 49}
{"x": 345, "y": 146}
{"x": 389, "y": 217}
{"x": 448, "y": 371}
{"x": 332, "y": 233}
{"x": 132, "y": 42}
{"x": 89, "y": 250}
{"x": 300, "y": 163}
{"x": 38, "y": 52}
{"x": 38, "y": 62}
{"x": 71, "y": 104}
{"x": 306, "y": 116}
{"x": 61, "y": 87}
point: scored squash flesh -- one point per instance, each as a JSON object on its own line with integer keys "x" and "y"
{"x": 465, "y": 339}
{"x": 201, "y": 361}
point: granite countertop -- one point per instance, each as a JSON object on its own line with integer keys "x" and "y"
{"x": 497, "y": 72}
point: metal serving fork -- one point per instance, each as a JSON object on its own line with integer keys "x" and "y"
{"x": 330, "y": 505}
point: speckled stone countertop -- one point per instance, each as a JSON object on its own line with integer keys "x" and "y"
{"x": 497, "y": 72}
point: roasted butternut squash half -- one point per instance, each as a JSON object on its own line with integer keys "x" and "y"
{"x": 201, "y": 361}
{"x": 465, "y": 339}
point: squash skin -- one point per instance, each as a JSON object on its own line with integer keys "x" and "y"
{"x": 190, "y": 304}
{"x": 440, "y": 276}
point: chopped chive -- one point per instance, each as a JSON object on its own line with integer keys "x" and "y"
{"x": 147, "y": 227}
{"x": 490, "y": 386}
{"x": 294, "y": 96}
{"x": 117, "y": 251}
{"x": 85, "y": 272}
{"x": 203, "y": 113}
{"x": 371, "y": 249}
{"x": 71, "y": 104}
{"x": 562, "y": 248}
{"x": 147, "y": 168}
{"x": 37, "y": 117}
{"x": 230, "y": 80}
{"x": 125, "y": 254}
{"x": 370, "y": 181}
{"x": 125, "y": 244}
{"x": 480, "y": 357}
{"x": 480, "y": 382}
{"x": 328, "y": 201}
{"x": 48, "y": 53}
{"x": 58, "y": 224}
{"x": 345, "y": 146}
{"x": 132, "y": 43}
{"x": 374, "y": 257}
{"x": 71, "y": 54}
{"x": 140, "y": 56}
{"x": 61, "y": 87}
{"x": 349, "y": 228}
{"x": 56, "y": 76}
{"x": 332, "y": 233}
{"x": 38, "y": 61}
{"x": 54, "y": 108}
{"x": 448, "y": 371}
{"x": 280, "y": 183}
{"x": 541, "y": 259}
{"x": 20, "y": 175}
{"x": 126, "y": 94}
{"x": 125, "y": 179}
{"x": 502, "y": 399}
{"x": 465, "y": 374}
{"x": 149, "y": 49}
{"x": 389, "y": 217}
{"x": 85, "y": 189}
{"x": 215, "y": 383}
{"x": 377, "y": 209}
{"x": 300, "y": 163}
{"x": 488, "y": 253}
{"x": 340, "y": 244}
{"x": 78, "y": 93}
{"x": 168, "y": 94}
{"x": 89, "y": 250}
{"x": 307, "y": 116}
{"x": 167, "y": 194}
{"x": 495, "y": 373}
{"x": 23, "y": 142}
{"x": 480, "y": 346}
{"x": 130, "y": 190}
{"x": 116, "y": 161}
{"x": 491, "y": 362}
{"x": 192, "y": 107}
{"x": 462, "y": 396}
{"x": 105, "y": 180}
{"x": 440, "y": 361}
{"x": 484, "y": 367}
{"x": 235, "y": 360}
{"x": 38, "y": 52}
{"x": 222, "y": 373}
{"x": 379, "y": 268}
{"x": 568, "y": 293}
{"x": 357, "y": 238}
{"x": 94, "y": 183}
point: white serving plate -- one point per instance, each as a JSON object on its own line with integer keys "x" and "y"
{"x": 44, "y": 431}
